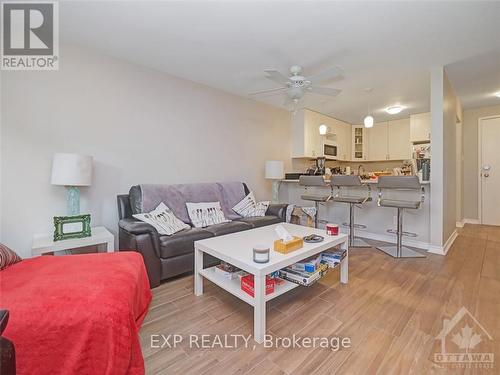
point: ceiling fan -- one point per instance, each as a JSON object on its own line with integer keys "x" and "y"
{"x": 295, "y": 86}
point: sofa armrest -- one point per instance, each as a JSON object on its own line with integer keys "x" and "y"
{"x": 143, "y": 238}
{"x": 134, "y": 226}
{"x": 277, "y": 209}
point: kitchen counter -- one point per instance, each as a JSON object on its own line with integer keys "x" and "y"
{"x": 363, "y": 181}
{"x": 377, "y": 219}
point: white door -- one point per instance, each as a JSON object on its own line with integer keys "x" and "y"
{"x": 490, "y": 171}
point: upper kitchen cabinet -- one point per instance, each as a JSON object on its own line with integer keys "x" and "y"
{"x": 343, "y": 140}
{"x": 398, "y": 140}
{"x": 420, "y": 127}
{"x": 377, "y": 141}
{"x": 358, "y": 143}
{"x": 308, "y": 143}
{"x": 388, "y": 140}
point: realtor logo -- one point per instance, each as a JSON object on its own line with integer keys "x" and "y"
{"x": 467, "y": 339}
{"x": 30, "y": 35}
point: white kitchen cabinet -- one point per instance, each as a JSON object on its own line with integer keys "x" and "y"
{"x": 398, "y": 140}
{"x": 344, "y": 141}
{"x": 420, "y": 127}
{"x": 308, "y": 143}
{"x": 358, "y": 143}
{"x": 306, "y": 140}
{"x": 388, "y": 140}
{"x": 377, "y": 141}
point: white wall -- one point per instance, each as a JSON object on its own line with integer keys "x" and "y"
{"x": 445, "y": 110}
{"x": 140, "y": 125}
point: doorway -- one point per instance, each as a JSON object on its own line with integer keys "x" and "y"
{"x": 489, "y": 171}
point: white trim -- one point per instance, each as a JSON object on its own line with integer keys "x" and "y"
{"x": 439, "y": 250}
{"x": 471, "y": 221}
{"x": 443, "y": 250}
{"x": 388, "y": 238}
{"x": 479, "y": 165}
{"x": 460, "y": 224}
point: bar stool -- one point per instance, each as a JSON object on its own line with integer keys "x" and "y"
{"x": 348, "y": 184}
{"x": 410, "y": 195}
{"x": 314, "y": 181}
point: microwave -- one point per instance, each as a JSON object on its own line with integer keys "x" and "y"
{"x": 330, "y": 150}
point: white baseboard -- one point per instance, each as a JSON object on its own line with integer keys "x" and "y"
{"x": 388, "y": 238}
{"x": 460, "y": 224}
{"x": 443, "y": 250}
{"x": 439, "y": 250}
{"x": 471, "y": 221}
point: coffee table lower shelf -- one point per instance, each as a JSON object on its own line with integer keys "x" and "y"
{"x": 234, "y": 287}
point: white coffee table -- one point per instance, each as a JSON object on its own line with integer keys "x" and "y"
{"x": 237, "y": 249}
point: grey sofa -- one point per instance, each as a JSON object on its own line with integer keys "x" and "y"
{"x": 168, "y": 256}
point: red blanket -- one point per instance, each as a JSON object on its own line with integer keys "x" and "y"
{"x": 76, "y": 314}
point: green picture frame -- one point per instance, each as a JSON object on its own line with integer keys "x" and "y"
{"x": 68, "y": 227}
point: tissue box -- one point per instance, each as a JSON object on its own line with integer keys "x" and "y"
{"x": 288, "y": 246}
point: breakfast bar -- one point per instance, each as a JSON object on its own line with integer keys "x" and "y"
{"x": 376, "y": 219}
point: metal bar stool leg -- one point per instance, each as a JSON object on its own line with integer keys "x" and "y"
{"x": 400, "y": 251}
{"x": 353, "y": 241}
{"x": 316, "y": 217}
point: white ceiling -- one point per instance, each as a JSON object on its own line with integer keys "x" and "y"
{"x": 388, "y": 46}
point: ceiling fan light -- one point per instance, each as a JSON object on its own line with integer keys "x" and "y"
{"x": 394, "y": 110}
{"x": 323, "y": 129}
{"x": 497, "y": 94}
{"x": 368, "y": 121}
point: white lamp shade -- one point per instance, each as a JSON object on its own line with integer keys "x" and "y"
{"x": 71, "y": 170}
{"x": 275, "y": 170}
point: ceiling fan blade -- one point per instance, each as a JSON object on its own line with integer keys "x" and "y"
{"x": 333, "y": 72}
{"x": 268, "y": 91}
{"x": 276, "y": 76}
{"x": 324, "y": 91}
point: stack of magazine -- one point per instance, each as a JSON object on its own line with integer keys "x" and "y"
{"x": 310, "y": 270}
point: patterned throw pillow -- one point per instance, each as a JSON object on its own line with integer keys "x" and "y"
{"x": 248, "y": 207}
{"x": 163, "y": 219}
{"x": 7, "y": 257}
{"x": 205, "y": 213}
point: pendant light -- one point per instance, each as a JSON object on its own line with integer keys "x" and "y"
{"x": 368, "y": 120}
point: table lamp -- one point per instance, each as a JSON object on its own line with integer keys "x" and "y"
{"x": 72, "y": 171}
{"x": 275, "y": 172}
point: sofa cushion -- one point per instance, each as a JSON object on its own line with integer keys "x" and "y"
{"x": 182, "y": 242}
{"x": 261, "y": 221}
{"x": 226, "y": 228}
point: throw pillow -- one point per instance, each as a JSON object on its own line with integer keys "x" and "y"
{"x": 163, "y": 219}
{"x": 7, "y": 257}
{"x": 204, "y": 214}
{"x": 248, "y": 207}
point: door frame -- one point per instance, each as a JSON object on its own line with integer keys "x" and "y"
{"x": 479, "y": 165}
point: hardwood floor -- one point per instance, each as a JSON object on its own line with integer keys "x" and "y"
{"x": 392, "y": 310}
